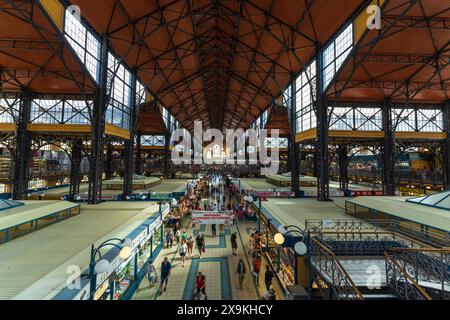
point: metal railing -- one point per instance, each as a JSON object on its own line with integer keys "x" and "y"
{"x": 404, "y": 286}
{"x": 327, "y": 267}
{"x": 428, "y": 267}
{"x": 365, "y": 243}
{"x": 406, "y": 230}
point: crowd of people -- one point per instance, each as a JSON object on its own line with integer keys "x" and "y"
{"x": 213, "y": 193}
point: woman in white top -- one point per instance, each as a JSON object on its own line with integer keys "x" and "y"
{"x": 183, "y": 251}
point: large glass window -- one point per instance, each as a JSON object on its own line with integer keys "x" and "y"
{"x": 430, "y": 120}
{"x": 84, "y": 43}
{"x": 422, "y": 120}
{"x": 118, "y": 111}
{"x": 54, "y": 111}
{"x": 46, "y": 111}
{"x": 276, "y": 142}
{"x": 9, "y": 110}
{"x": 335, "y": 54}
{"x": 158, "y": 141}
{"x": 305, "y": 84}
{"x": 404, "y": 119}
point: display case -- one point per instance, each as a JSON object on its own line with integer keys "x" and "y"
{"x": 123, "y": 279}
{"x": 277, "y": 255}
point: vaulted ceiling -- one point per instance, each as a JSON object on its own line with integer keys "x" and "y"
{"x": 33, "y": 54}
{"x": 219, "y": 61}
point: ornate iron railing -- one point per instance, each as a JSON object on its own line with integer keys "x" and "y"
{"x": 365, "y": 243}
{"x": 327, "y": 267}
{"x": 318, "y": 225}
{"x": 404, "y": 286}
{"x": 375, "y": 225}
{"x": 430, "y": 268}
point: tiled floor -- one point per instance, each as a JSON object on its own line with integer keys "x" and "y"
{"x": 217, "y": 263}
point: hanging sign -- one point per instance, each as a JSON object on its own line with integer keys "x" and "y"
{"x": 212, "y": 217}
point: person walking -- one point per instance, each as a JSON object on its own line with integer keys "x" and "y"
{"x": 240, "y": 272}
{"x": 151, "y": 273}
{"x": 256, "y": 269}
{"x": 200, "y": 244}
{"x": 200, "y": 285}
{"x": 251, "y": 242}
{"x": 183, "y": 251}
{"x": 177, "y": 236}
{"x": 169, "y": 238}
{"x": 268, "y": 276}
{"x": 166, "y": 269}
{"x": 190, "y": 244}
{"x": 213, "y": 229}
{"x": 234, "y": 243}
{"x": 184, "y": 235}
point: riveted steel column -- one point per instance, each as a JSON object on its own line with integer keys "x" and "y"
{"x": 323, "y": 187}
{"x": 446, "y": 147}
{"x": 23, "y": 148}
{"x": 129, "y": 144}
{"x": 75, "y": 168}
{"x": 387, "y": 150}
{"x": 293, "y": 147}
{"x": 98, "y": 130}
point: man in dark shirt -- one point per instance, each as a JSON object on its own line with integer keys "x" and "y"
{"x": 268, "y": 276}
{"x": 166, "y": 268}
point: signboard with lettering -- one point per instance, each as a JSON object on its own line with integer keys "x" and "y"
{"x": 275, "y": 194}
{"x": 212, "y": 217}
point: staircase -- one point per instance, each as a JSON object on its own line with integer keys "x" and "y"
{"x": 377, "y": 265}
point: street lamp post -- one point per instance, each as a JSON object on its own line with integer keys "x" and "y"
{"x": 301, "y": 248}
{"x": 101, "y": 265}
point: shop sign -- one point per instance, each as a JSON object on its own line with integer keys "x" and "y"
{"x": 366, "y": 193}
{"x": 275, "y": 194}
{"x": 178, "y": 194}
{"x": 212, "y": 217}
{"x": 118, "y": 264}
{"x": 84, "y": 197}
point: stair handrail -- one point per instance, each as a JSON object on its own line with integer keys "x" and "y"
{"x": 339, "y": 267}
{"x": 407, "y": 276}
{"x": 427, "y": 264}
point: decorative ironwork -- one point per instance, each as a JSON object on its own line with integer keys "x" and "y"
{"x": 401, "y": 283}
{"x": 326, "y": 266}
{"x": 429, "y": 268}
